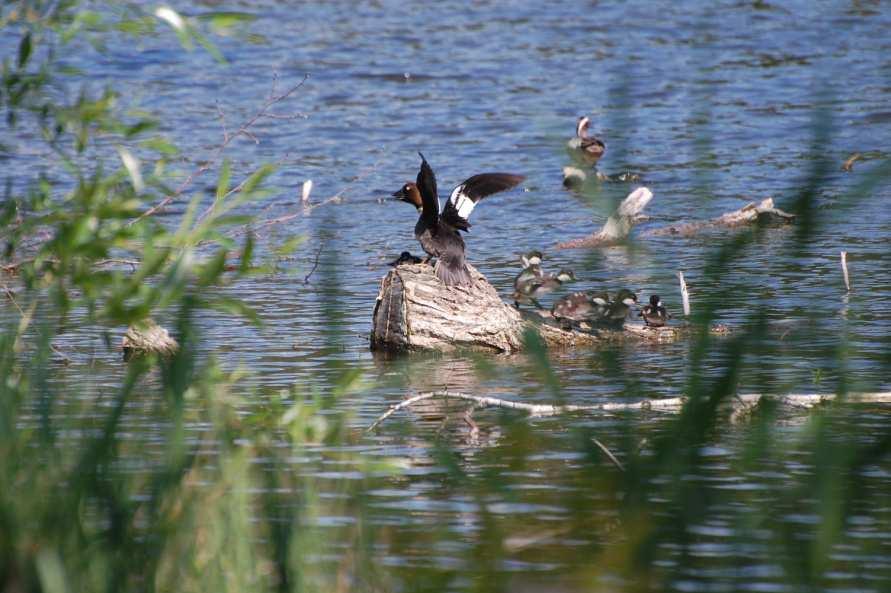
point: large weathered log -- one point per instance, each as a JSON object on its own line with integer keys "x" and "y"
{"x": 416, "y": 311}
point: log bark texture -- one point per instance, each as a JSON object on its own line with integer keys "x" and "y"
{"x": 416, "y": 311}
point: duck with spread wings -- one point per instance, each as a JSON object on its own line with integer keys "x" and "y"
{"x": 438, "y": 233}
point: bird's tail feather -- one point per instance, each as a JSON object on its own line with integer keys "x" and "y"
{"x": 452, "y": 272}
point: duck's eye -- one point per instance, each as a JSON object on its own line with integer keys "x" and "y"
{"x": 406, "y": 188}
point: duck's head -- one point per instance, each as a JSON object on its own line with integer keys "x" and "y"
{"x": 565, "y": 275}
{"x": 533, "y": 258}
{"x": 601, "y": 299}
{"x": 581, "y": 128}
{"x": 411, "y": 194}
{"x": 655, "y": 301}
{"x": 626, "y": 297}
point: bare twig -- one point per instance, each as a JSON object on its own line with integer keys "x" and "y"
{"x": 848, "y": 165}
{"x": 609, "y": 454}
{"x": 314, "y": 265}
{"x": 468, "y": 419}
{"x": 243, "y": 130}
{"x": 307, "y": 208}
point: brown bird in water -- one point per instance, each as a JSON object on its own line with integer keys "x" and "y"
{"x": 590, "y": 148}
{"x": 438, "y": 233}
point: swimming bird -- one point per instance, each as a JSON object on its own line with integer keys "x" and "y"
{"x": 655, "y": 314}
{"x": 438, "y": 233}
{"x": 528, "y": 291}
{"x": 590, "y": 148}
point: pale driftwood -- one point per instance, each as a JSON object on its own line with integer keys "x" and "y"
{"x": 844, "y": 265}
{"x": 416, "y": 311}
{"x": 147, "y": 337}
{"x": 751, "y": 213}
{"x": 672, "y": 404}
{"x": 685, "y": 294}
{"x": 619, "y": 225}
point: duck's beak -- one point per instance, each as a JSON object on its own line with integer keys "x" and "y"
{"x": 399, "y": 195}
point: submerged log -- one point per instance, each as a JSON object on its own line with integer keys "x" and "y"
{"x": 763, "y": 212}
{"x": 147, "y": 337}
{"x": 619, "y": 225}
{"x": 630, "y": 212}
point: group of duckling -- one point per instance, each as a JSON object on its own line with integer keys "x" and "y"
{"x": 585, "y": 309}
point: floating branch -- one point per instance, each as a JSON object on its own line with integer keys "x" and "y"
{"x": 672, "y": 404}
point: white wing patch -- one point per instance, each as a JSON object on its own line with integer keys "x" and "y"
{"x": 462, "y": 203}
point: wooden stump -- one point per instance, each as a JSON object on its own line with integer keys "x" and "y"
{"x": 147, "y": 338}
{"x": 416, "y": 311}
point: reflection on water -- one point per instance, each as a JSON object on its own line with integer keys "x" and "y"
{"x": 497, "y": 87}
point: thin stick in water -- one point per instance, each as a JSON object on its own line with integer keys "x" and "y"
{"x": 685, "y": 294}
{"x": 844, "y": 262}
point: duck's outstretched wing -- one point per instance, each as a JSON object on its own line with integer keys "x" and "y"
{"x": 426, "y": 183}
{"x": 464, "y": 197}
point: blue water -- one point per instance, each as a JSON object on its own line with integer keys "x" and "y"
{"x": 713, "y": 104}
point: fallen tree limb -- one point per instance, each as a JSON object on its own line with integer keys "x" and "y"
{"x": 630, "y": 212}
{"x": 763, "y": 212}
{"x": 671, "y": 404}
{"x": 619, "y": 225}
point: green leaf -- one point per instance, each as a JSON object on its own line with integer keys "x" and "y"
{"x": 139, "y": 127}
{"x": 223, "y": 181}
{"x": 257, "y": 178}
{"x": 289, "y": 246}
{"x": 160, "y": 145}
{"x": 222, "y": 21}
{"x": 211, "y": 271}
{"x": 236, "y": 307}
{"x": 25, "y": 50}
{"x": 247, "y": 254}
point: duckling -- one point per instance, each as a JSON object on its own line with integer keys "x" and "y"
{"x": 438, "y": 233}
{"x": 620, "y": 307}
{"x": 580, "y": 306}
{"x": 589, "y": 148}
{"x": 529, "y": 291}
{"x": 405, "y": 258}
{"x": 654, "y": 314}
{"x": 532, "y": 258}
